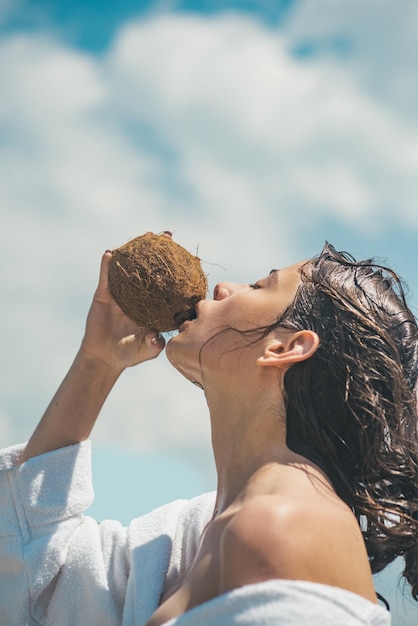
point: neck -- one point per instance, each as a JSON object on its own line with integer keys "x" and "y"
{"x": 248, "y": 435}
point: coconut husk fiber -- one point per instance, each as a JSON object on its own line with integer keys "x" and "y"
{"x": 156, "y": 282}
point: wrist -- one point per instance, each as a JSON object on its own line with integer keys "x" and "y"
{"x": 97, "y": 364}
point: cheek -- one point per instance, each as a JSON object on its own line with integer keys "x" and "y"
{"x": 194, "y": 349}
{"x": 225, "y": 351}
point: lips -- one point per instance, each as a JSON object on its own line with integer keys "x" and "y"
{"x": 185, "y": 316}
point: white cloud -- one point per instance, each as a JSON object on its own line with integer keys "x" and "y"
{"x": 378, "y": 40}
{"x": 207, "y": 126}
{"x": 59, "y": 154}
{"x": 226, "y": 95}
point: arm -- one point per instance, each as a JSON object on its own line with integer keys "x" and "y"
{"x": 49, "y": 551}
{"x": 110, "y": 344}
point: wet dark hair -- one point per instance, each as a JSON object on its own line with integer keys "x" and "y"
{"x": 352, "y": 407}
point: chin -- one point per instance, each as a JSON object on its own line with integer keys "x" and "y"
{"x": 169, "y": 349}
{"x": 177, "y": 357}
{"x": 173, "y": 352}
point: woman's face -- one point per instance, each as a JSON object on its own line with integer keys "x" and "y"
{"x": 235, "y": 306}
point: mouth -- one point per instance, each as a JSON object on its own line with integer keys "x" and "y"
{"x": 188, "y": 315}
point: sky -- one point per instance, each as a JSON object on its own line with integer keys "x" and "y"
{"x": 254, "y": 131}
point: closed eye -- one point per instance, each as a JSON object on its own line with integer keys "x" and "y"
{"x": 255, "y": 286}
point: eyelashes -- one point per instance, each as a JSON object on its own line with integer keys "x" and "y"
{"x": 255, "y": 286}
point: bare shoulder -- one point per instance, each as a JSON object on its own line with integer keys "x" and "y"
{"x": 296, "y": 539}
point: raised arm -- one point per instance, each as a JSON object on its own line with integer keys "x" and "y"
{"x": 111, "y": 343}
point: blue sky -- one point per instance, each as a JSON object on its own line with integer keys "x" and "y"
{"x": 254, "y": 131}
{"x": 91, "y": 25}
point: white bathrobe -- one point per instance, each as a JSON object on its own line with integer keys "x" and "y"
{"x": 59, "y": 567}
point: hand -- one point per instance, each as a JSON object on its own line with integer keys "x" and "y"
{"x": 110, "y": 336}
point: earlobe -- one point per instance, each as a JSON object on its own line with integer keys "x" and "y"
{"x": 297, "y": 347}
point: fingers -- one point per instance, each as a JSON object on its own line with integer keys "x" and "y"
{"x": 156, "y": 343}
{"x": 104, "y": 269}
{"x": 104, "y": 265}
{"x": 165, "y": 233}
{"x": 156, "y": 338}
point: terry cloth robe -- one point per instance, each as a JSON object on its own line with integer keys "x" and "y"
{"x": 285, "y": 603}
{"x": 59, "y": 567}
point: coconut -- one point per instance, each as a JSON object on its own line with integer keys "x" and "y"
{"x": 156, "y": 282}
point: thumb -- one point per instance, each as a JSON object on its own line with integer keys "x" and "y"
{"x": 102, "y": 287}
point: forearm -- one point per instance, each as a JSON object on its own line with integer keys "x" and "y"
{"x": 74, "y": 409}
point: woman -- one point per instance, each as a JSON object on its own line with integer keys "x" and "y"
{"x": 310, "y": 380}
{"x": 311, "y": 373}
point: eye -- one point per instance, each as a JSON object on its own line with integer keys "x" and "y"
{"x": 255, "y": 286}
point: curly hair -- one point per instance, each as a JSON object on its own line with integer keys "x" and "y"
{"x": 352, "y": 407}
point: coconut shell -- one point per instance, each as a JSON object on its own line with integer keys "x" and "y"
{"x": 156, "y": 282}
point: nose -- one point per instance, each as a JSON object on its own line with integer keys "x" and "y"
{"x": 224, "y": 290}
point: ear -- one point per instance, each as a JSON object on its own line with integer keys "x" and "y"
{"x": 283, "y": 353}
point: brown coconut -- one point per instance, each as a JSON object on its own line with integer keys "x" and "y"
{"x": 156, "y": 282}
